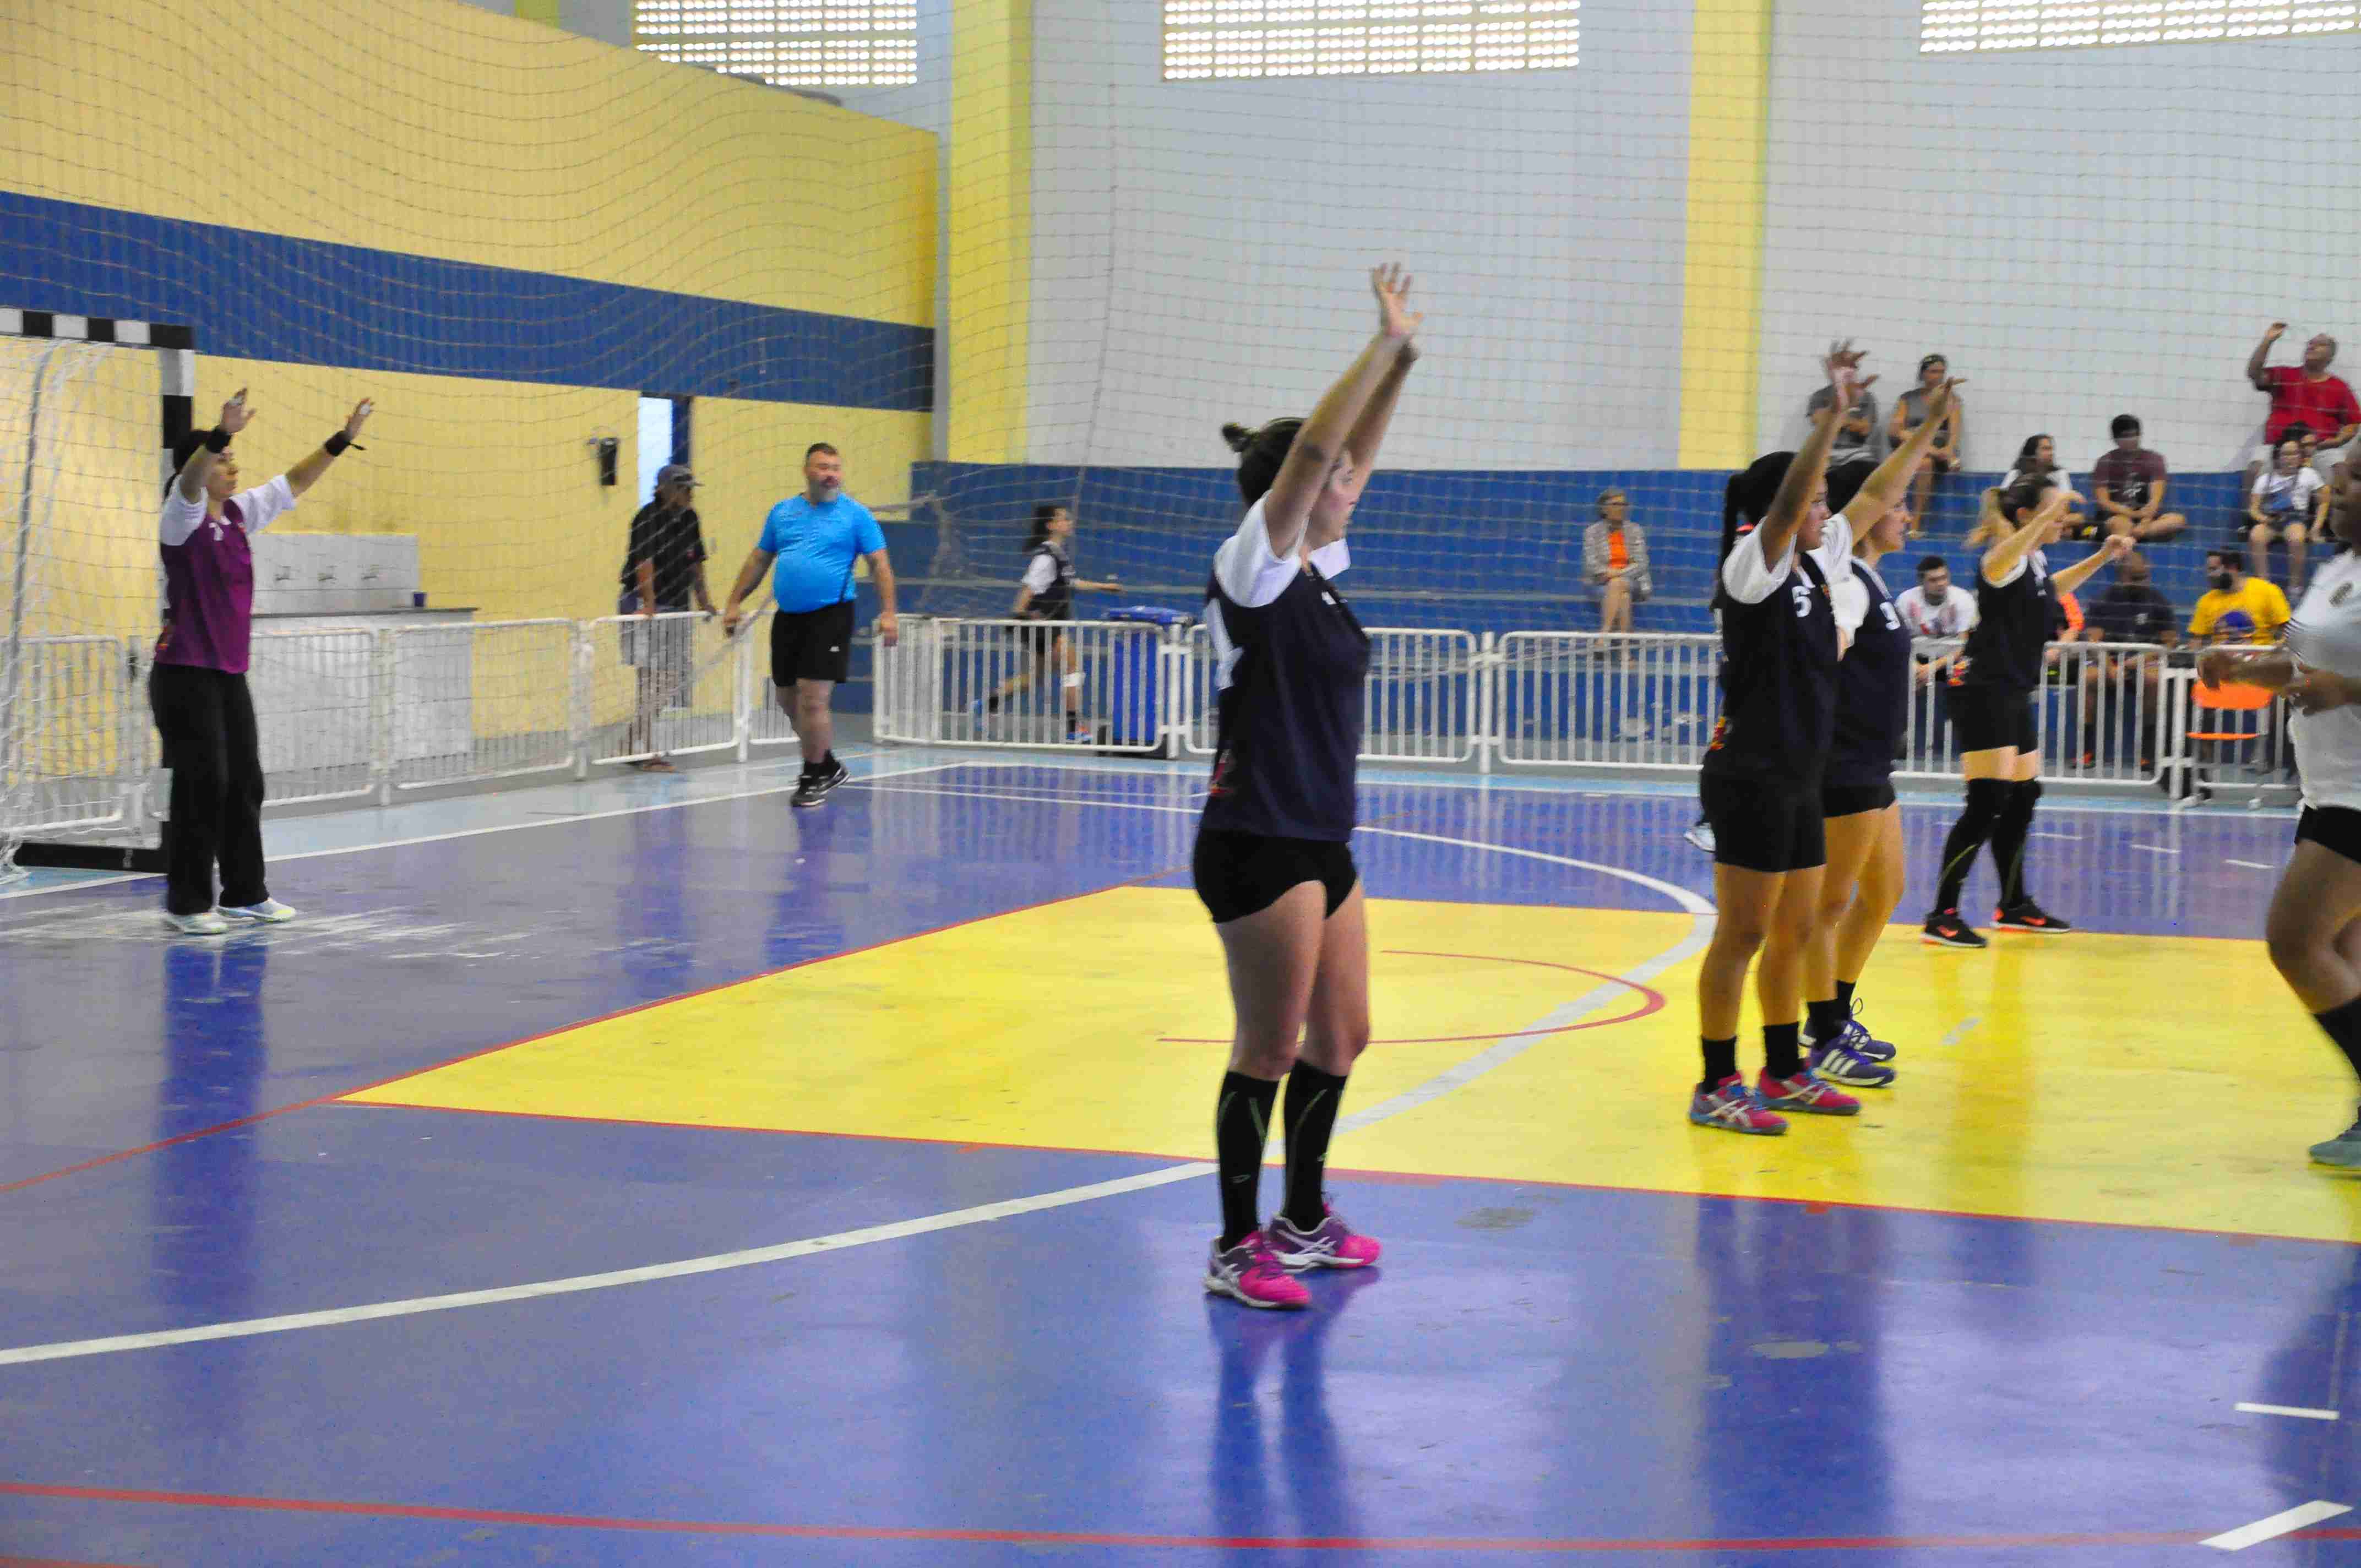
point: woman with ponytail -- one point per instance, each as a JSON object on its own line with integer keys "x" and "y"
{"x": 1273, "y": 861}
{"x": 1047, "y": 597}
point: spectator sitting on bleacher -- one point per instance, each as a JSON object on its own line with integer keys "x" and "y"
{"x": 2308, "y": 396}
{"x": 1936, "y": 606}
{"x": 1857, "y": 442}
{"x": 2288, "y": 504}
{"x": 1615, "y": 558}
{"x": 2036, "y": 473}
{"x": 1943, "y": 457}
{"x": 2127, "y": 486}
{"x": 2133, "y": 609}
{"x": 2237, "y": 608}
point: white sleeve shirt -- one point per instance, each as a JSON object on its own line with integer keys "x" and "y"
{"x": 1041, "y": 574}
{"x": 257, "y": 509}
{"x": 1749, "y": 579}
{"x": 1253, "y": 576}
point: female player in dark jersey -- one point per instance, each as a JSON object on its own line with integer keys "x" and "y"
{"x": 1863, "y": 883}
{"x": 1760, "y": 780}
{"x": 1047, "y": 594}
{"x": 2315, "y": 925}
{"x": 1992, "y": 708}
{"x": 1273, "y": 863}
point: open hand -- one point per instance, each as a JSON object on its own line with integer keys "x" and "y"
{"x": 1391, "y": 285}
{"x": 235, "y": 413}
{"x": 1843, "y": 365}
{"x": 360, "y": 415}
{"x": 2277, "y": 331}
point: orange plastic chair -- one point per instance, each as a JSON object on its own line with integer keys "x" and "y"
{"x": 2212, "y": 725}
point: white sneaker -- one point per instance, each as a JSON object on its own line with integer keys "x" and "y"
{"x": 1701, "y": 835}
{"x": 206, "y": 923}
{"x": 269, "y": 912}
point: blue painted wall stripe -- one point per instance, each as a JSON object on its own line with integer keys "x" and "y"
{"x": 263, "y": 296}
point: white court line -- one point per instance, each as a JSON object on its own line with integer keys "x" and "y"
{"x": 2152, "y": 849}
{"x": 2277, "y": 1525}
{"x": 2308, "y": 1415}
{"x": 566, "y": 820}
{"x": 2042, "y": 833}
{"x": 1701, "y": 915}
{"x": 2252, "y": 865}
{"x": 1959, "y": 1032}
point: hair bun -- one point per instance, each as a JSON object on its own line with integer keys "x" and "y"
{"x": 1239, "y": 436}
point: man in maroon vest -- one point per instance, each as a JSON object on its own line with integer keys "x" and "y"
{"x": 198, "y": 686}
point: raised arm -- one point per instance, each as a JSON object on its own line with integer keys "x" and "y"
{"x": 2001, "y": 562}
{"x": 1884, "y": 488}
{"x": 1287, "y": 510}
{"x": 199, "y": 466}
{"x": 2069, "y": 578}
{"x": 2262, "y": 352}
{"x": 306, "y": 473}
{"x": 1811, "y": 465}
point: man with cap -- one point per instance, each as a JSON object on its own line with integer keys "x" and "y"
{"x": 2128, "y": 485}
{"x": 197, "y": 689}
{"x": 663, "y": 571}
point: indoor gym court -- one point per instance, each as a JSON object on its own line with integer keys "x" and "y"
{"x": 646, "y": 1173}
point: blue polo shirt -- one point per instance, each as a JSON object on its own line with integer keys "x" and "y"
{"x": 815, "y": 547}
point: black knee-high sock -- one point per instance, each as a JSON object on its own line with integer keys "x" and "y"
{"x": 2343, "y": 1025}
{"x": 1985, "y": 798}
{"x": 2008, "y": 841}
{"x": 1309, "y": 1116}
{"x": 1241, "y": 1124}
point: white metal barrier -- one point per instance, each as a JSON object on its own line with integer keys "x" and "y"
{"x": 77, "y": 742}
{"x": 1588, "y": 699}
{"x": 668, "y": 684}
{"x": 1424, "y": 699}
{"x": 1013, "y": 683}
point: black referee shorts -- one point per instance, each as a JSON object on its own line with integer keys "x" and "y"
{"x": 1763, "y": 824}
{"x": 812, "y": 646}
{"x": 2336, "y": 828}
{"x": 1988, "y": 717}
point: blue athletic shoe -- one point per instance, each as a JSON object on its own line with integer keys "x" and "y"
{"x": 1838, "y": 1063}
{"x": 1855, "y": 1037}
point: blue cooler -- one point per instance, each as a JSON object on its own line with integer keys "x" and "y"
{"x": 1136, "y": 677}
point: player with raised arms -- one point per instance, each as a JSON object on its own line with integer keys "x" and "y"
{"x": 1273, "y": 861}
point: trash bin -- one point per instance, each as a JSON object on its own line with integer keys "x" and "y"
{"x": 1136, "y": 678}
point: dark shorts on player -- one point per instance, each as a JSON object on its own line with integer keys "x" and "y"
{"x": 2336, "y": 828}
{"x": 1764, "y": 825}
{"x": 1238, "y": 874}
{"x": 1041, "y": 638}
{"x": 1851, "y": 800}
{"x": 814, "y": 645}
{"x": 1988, "y": 717}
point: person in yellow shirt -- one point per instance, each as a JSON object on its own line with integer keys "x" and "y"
{"x": 2239, "y": 608}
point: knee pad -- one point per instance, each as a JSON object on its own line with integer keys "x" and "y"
{"x": 1074, "y": 681}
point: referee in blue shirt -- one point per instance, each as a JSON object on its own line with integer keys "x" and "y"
{"x": 814, "y": 537}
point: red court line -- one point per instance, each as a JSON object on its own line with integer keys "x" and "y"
{"x": 1504, "y": 1544}
{"x": 1655, "y": 1003}
{"x": 319, "y": 1099}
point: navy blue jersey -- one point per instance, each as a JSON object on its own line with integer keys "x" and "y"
{"x": 1055, "y": 602}
{"x": 1873, "y": 690}
{"x": 1778, "y": 674}
{"x": 1290, "y": 708}
{"x": 2012, "y": 629}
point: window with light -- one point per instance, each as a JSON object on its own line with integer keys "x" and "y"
{"x": 787, "y": 43}
{"x": 1215, "y": 41}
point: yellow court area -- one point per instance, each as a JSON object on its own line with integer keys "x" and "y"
{"x": 2135, "y": 1080}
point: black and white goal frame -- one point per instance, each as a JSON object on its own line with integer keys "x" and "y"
{"x": 175, "y": 345}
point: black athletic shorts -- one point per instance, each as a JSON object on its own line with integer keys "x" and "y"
{"x": 1988, "y": 717}
{"x": 1851, "y": 800}
{"x": 1040, "y": 638}
{"x": 2336, "y": 828}
{"x": 815, "y": 645}
{"x": 1764, "y": 825}
{"x": 1238, "y": 874}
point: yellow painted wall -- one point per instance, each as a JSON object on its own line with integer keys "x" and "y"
{"x": 1721, "y": 310}
{"x": 990, "y": 230}
{"x": 441, "y": 129}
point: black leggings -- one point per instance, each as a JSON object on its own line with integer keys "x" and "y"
{"x": 207, "y": 720}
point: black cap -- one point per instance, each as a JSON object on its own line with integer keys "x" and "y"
{"x": 2125, "y": 424}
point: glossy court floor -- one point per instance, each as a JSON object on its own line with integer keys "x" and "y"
{"x": 644, "y": 1172}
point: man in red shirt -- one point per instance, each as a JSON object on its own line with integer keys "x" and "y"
{"x": 2308, "y": 395}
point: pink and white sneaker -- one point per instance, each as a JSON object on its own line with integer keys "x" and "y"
{"x": 1249, "y": 1273}
{"x": 1331, "y": 1244}
{"x": 1732, "y": 1107}
{"x": 1805, "y": 1094}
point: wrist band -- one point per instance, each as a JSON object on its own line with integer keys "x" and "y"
{"x": 337, "y": 442}
{"x": 217, "y": 441}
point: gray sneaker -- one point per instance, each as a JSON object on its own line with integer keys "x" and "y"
{"x": 2343, "y": 1151}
